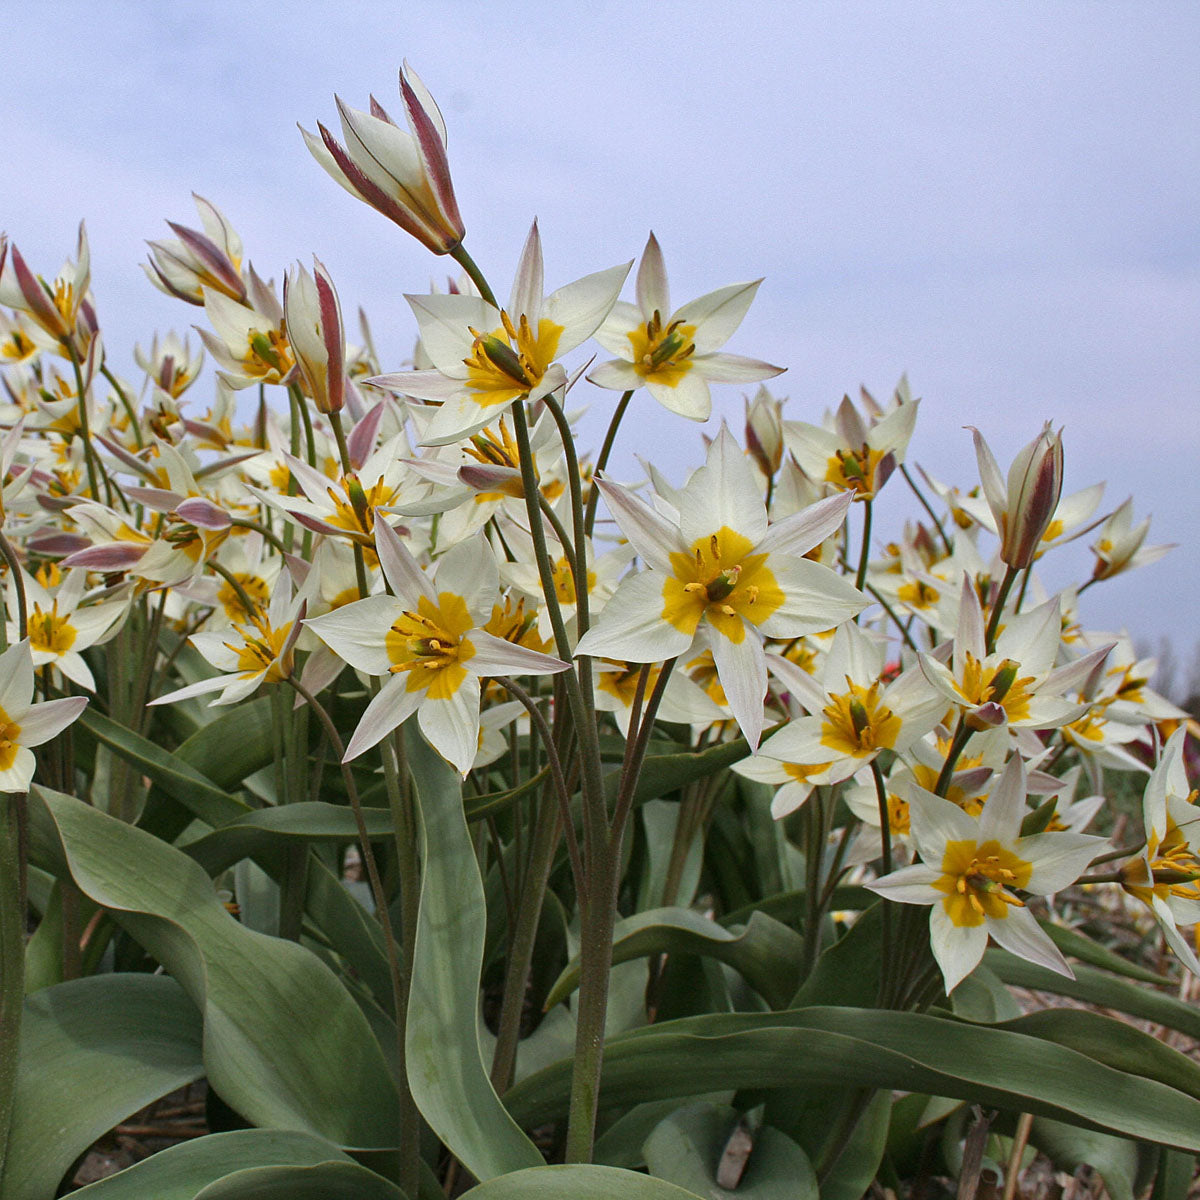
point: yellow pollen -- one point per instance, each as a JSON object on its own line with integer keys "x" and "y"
{"x": 510, "y": 361}
{"x": 662, "y": 353}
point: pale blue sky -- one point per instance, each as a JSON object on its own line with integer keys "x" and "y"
{"x": 999, "y": 199}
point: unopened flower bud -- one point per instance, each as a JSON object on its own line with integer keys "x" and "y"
{"x": 404, "y": 175}
{"x": 764, "y": 431}
{"x": 1024, "y": 507}
{"x": 313, "y": 318}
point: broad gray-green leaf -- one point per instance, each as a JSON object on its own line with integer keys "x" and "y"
{"x": 849, "y": 1178}
{"x": 766, "y": 953}
{"x": 321, "y": 1181}
{"x": 686, "y": 1148}
{"x": 621, "y": 1144}
{"x": 446, "y": 1072}
{"x": 1115, "y": 1043}
{"x": 92, "y": 1052}
{"x": 577, "y": 1183}
{"x": 1068, "y": 1146}
{"x": 264, "y": 829}
{"x": 874, "y": 1048}
{"x": 179, "y": 779}
{"x": 264, "y": 1052}
{"x": 1098, "y": 987}
{"x": 1077, "y": 945}
{"x": 181, "y": 1171}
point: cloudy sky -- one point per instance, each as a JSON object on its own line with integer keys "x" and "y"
{"x": 1000, "y": 200}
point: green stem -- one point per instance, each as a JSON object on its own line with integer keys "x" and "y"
{"x": 602, "y": 461}
{"x": 993, "y": 625}
{"x": 865, "y": 553}
{"x": 14, "y": 569}
{"x": 464, "y": 260}
{"x": 126, "y": 404}
{"x": 89, "y": 451}
{"x": 258, "y": 527}
{"x": 360, "y": 563}
{"x": 12, "y": 959}
{"x": 885, "y": 832}
{"x": 925, "y": 505}
{"x": 243, "y": 596}
{"x": 409, "y": 1149}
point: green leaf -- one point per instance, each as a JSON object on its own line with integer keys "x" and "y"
{"x": 578, "y": 1183}
{"x": 766, "y": 953}
{"x": 1114, "y": 1043}
{"x": 790, "y": 907}
{"x": 1174, "y": 1178}
{"x": 868, "y": 1047}
{"x": 686, "y": 1148}
{"x": 183, "y": 782}
{"x": 265, "y": 829}
{"x": 92, "y": 1052}
{"x": 850, "y": 1176}
{"x": 181, "y": 1171}
{"x": 446, "y": 1071}
{"x": 1068, "y": 1146}
{"x": 622, "y": 1143}
{"x": 1100, "y": 988}
{"x": 264, "y": 1053}
{"x": 663, "y": 773}
{"x": 232, "y": 746}
{"x": 1078, "y": 945}
{"x": 321, "y": 1181}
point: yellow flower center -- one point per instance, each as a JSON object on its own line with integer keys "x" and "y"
{"x": 722, "y": 580}
{"x": 996, "y": 685}
{"x": 268, "y": 355}
{"x": 49, "y": 632}
{"x": 977, "y": 878}
{"x": 856, "y": 723}
{"x": 854, "y": 470}
{"x": 18, "y": 346}
{"x": 622, "y": 683}
{"x": 917, "y": 594}
{"x": 254, "y": 586}
{"x": 702, "y": 671}
{"x": 429, "y": 644}
{"x": 662, "y": 353}
{"x": 510, "y": 361}
{"x": 10, "y": 731}
{"x": 262, "y": 650}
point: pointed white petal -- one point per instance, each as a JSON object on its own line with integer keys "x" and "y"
{"x": 495, "y": 656}
{"x": 652, "y": 291}
{"x": 689, "y": 397}
{"x": 651, "y": 535}
{"x": 390, "y": 708}
{"x": 742, "y": 670}
{"x": 452, "y": 725}
{"x": 1020, "y": 934}
{"x": 44, "y": 721}
{"x": 723, "y": 494}
{"x": 957, "y": 948}
{"x": 717, "y": 314}
{"x": 800, "y": 532}
{"x": 631, "y": 626}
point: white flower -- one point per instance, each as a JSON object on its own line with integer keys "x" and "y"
{"x": 971, "y": 870}
{"x": 23, "y": 724}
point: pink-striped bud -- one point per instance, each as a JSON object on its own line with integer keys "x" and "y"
{"x": 313, "y": 319}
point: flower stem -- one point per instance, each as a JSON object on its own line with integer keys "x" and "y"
{"x": 602, "y": 461}
{"x": 864, "y": 554}
{"x": 12, "y": 958}
{"x": 993, "y": 626}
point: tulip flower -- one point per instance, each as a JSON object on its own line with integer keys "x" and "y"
{"x": 23, "y": 724}
{"x": 675, "y": 355}
{"x": 1024, "y": 506}
{"x": 211, "y": 259}
{"x": 972, "y": 869}
{"x": 313, "y": 320}
{"x": 405, "y": 176}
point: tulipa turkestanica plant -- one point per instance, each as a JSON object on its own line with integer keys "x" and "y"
{"x": 709, "y": 844}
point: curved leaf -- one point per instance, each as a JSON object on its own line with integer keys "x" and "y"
{"x": 181, "y": 1171}
{"x": 687, "y": 1146}
{"x": 321, "y": 1181}
{"x": 1080, "y": 946}
{"x": 579, "y": 1183}
{"x": 1098, "y": 987}
{"x": 446, "y": 1072}
{"x": 264, "y": 829}
{"x": 766, "y": 953}
{"x": 92, "y": 1052}
{"x": 1068, "y": 1147}
{"x": 875, "y": 1048}
{"x": 178, "y": 778}
{"x": 1115, "y": 1043}
{"x": 263, "y": 1051}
